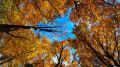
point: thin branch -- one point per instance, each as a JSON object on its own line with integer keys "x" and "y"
{"x": 98, "y": 54}
{"x": 53, "y": 6}
{"x": 13, "y": 57}
{"x": 101, "y": 58}
{"x": 36, "y": 5}
{"x": 101, "y": 45}
{"x": 15, "y": 36}
{"x": 60, "y": 60}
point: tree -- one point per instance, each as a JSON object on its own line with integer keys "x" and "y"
{"x": 96, "y": 34}
{"x": 8, "y": 28}
{"x": 15, "y": 17}
{"x": 61, "y": 52}
{"x": 52, "y": 50}
{"x": 97, "y": 28}
{"x": 22, "y": 12}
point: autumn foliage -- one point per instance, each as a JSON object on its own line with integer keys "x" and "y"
{"x": 97, "y": 42}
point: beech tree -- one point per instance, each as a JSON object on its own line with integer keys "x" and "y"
{"x": 18, "y": 42}
{"x": 97, "y": 40}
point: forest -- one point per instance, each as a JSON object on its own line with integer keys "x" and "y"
{"x": 32, "y": 34}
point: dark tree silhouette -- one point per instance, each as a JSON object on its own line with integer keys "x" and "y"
{"x": 6, "y": 28}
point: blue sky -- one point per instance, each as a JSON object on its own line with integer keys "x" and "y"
{"x": 66, "y": 27}
{"x": 117, "y": 1}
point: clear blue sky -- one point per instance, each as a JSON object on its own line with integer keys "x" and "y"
{"x": 66, "y": 28}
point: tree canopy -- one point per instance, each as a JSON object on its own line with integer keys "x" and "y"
{"x": 97, "y": 31}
